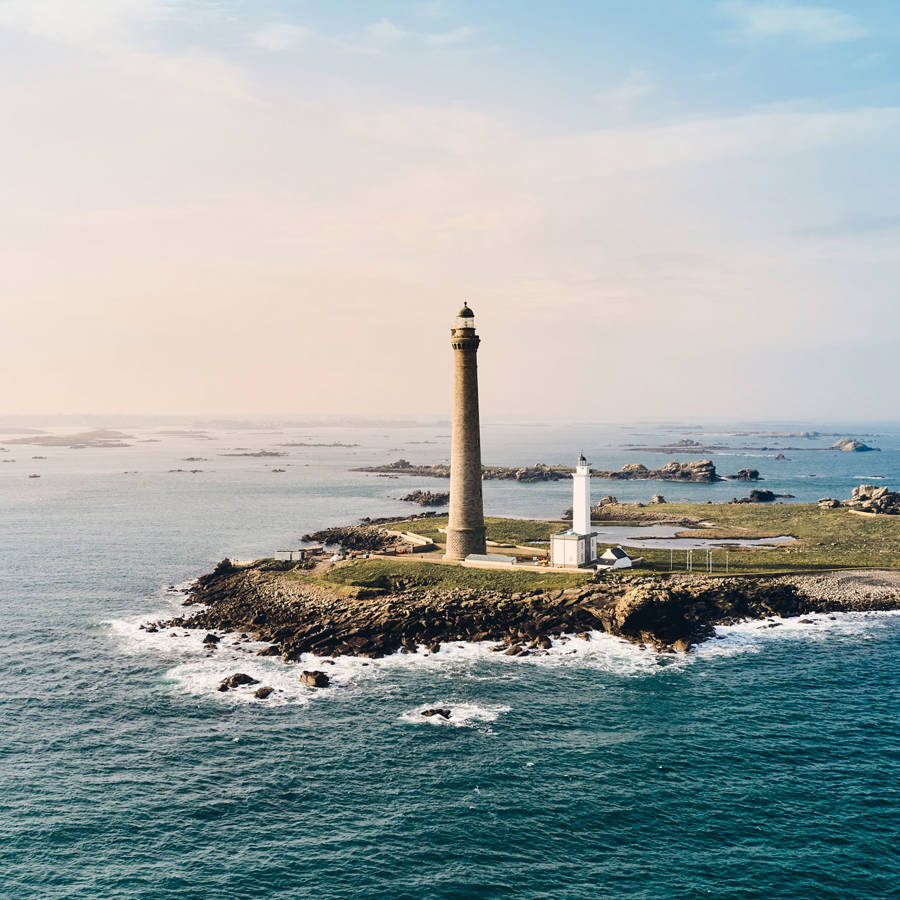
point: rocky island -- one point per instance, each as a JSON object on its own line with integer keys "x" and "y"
{"x": 378, "y": 605}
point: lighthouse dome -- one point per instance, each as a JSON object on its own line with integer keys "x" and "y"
{"x": 465, "y": 319}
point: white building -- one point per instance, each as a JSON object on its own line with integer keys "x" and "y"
{"x": 577, "y": 546}
{"x": 615, "y": 558}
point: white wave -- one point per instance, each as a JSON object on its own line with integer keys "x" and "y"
{"x": 196, "y": 670}
{"x": 462, "y": 715}
{"x": 755, "y": 635}
{"x": 600, "y": 651}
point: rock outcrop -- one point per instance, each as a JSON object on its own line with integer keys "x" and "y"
{"x": 237, "y": 680}
{"x": 355, "y": 537}
{"x": 744, "y": 475}
{"x": 702, "y": 470}
{"x": 428, "y": 498}
{"x": 851, "y": 445}
{"x": 663, "y": 611}
{"x": 314, "y": 679}
{"x": 867, "y": 498}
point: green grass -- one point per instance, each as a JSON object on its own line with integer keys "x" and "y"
{"x": 387, "y": 574}
{"x": 826, "y": 538}
{"x": 504, "y": 531}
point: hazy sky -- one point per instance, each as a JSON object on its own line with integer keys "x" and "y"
{"x": 668, "y": 208}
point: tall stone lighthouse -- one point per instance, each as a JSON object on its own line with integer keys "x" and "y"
{"x": 465, "y": 529}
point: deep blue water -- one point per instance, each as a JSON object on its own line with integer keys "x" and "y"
{"x": 765, "y": 765}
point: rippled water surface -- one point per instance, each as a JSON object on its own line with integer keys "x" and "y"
{"x": 764, "y": 765}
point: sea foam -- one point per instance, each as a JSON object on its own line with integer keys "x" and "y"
{"x": 462, "y": 715}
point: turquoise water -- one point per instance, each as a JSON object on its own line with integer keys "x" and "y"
{"x": 765, "y": 765}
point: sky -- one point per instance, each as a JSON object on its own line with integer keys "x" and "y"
{"x": 661, "y": 208}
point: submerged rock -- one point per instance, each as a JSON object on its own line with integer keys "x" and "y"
{"x": 437, "y": 711}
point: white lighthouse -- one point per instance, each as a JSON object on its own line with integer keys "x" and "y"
{"x": 581, "y": 497}
{"x": 577, "y": 546}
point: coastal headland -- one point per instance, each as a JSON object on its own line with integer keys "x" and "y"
{"x": 838, "y": 561}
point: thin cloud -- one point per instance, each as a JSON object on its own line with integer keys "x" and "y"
{"x": 278, "y": 36}
{"x": 432, "y": 9}
{"x": 385, "y": 31}
{"x": 456, "y": 36}
{"x": 859, "y": 223}
{"x": 84, "y": 22}
{"x": 819, "y": 24}
{"x": 637, "y": 84}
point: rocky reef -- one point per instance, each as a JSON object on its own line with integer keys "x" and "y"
{"x": 701, "y": 470}
{"x": 537, "y": 472}
{"x": 667, "y": 612}
{"x": 428, "y": 498}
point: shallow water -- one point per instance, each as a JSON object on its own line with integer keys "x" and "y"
{"x": 764, "y": 765}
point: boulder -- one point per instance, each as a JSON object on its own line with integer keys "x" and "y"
{"x": 759, "y": 497}
{"x": 657, "y": 498}
{"x": 829, "y": 503}
{"x": 872, "y": 498}
{"x": 316, "y": 679}
{"x": 236, "y": 680}
{"x": 211, "y": 639}
{"x": 437, "y": 711}
{"x": 263, "y": 692}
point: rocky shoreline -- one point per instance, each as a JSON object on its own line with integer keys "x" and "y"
{"x": 297, "y": 616}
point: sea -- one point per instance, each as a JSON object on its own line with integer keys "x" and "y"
{"x": 764, "y": 764}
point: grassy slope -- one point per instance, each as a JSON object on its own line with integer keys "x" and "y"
{"x": 389, "y": 573}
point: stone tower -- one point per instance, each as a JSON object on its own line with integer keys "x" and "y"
{"x": 465, "y": 529}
